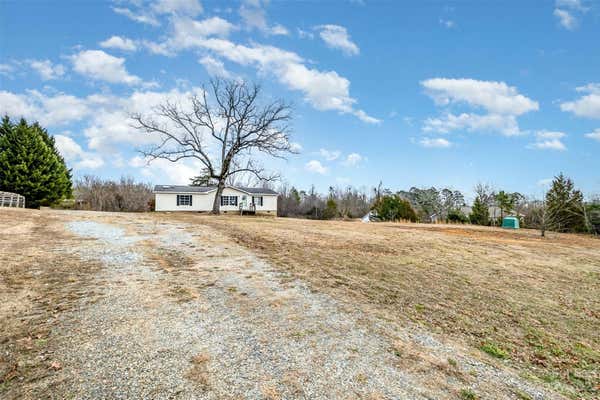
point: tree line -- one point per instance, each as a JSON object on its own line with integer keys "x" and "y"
{"x": 562, "y": 208}
{"x": 31, "y": 165}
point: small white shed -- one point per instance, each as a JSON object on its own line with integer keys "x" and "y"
{"x": 201, "y": 198}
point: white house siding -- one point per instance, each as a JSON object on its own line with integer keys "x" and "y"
{"x": 168, "y": 202}
{"x": 204, "y": 201}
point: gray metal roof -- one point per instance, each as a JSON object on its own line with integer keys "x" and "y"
{"x": 255, "y": 190}
{"x": 183, "y": 189}
{"x": 207, "y": 189}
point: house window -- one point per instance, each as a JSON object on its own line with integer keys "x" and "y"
{"x": 184, "y": 199}
{"x": 257, "y": 200}
{"x": 229, "y": 200}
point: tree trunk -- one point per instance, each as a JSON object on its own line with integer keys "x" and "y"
{"x": 217, "y": 203}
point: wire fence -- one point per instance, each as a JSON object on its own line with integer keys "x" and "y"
{"x": 8, "y": 199}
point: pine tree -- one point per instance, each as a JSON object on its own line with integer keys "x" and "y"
{"x": 479, "y": 213}
{"x": 330, "y": 209}
{"x": 30, "y": 165}
{"x": 505, "y": 201}
{"x": 565, "y": 207}
{"x": 394, "y": 208}
{"x": 63, "y": 175}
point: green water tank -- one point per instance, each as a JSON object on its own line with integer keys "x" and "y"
{"x": 510, "y": 222}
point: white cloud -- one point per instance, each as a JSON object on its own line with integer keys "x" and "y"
{"x": 6, "y": 69}
{"x": 550, "y": 135}
{"x": 141, "y": 16}
{"x": 279, "y": 29}
{"x": 567, "y": 11}
{"x": 180, "y": 7}
{"x": 17, "y": 106}
{"x": 553, "y": 144}
{"x": 589, "y": 88}
{"x": 594, "y": 135}
{"x": 316, "y": 167}
{"x": 572, "y": 4}
{"x": 364, "y": 117}
{"x": 447, "y": 23}
{"x": 504, "y": 124}
{"x": 148, "y": 12}
{"x": 330, "y": 155}
{"x": 97, "y": 64}
{"x": 75, "y": 155}
{"x": 353, "y": 159}
{"x": 324, "y": 90}
{"x": 189, "y": 33}
{"x": 495, "y": 97}
{"x": 54, "y": 110}
{"x": 336, "y": 37}
{"x": 435, "y": 142}
{"x": 502, "y": 103}
{"x": 214, "y": 67}
{"x": 296, "y": 147}
{"x": 138, "y": 162}
{"x": 586, "y": 106}
{"x": 162, "y": 49}
{"x": 47, "y": 70}
{"x": 549, "y": 140}
{"x": 544, "y": 182}
{"x": 111, "y": 123}
{"x": 254, "y": 17}
{"x": 565, "y": 19}
{"x": 302, "y": 34}
{"x": 160, "y": 170}
{"x": 107, "y": 117}
{"x": 118, "y": 42}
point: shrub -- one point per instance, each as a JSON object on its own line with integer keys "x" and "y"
{"x": 479, "y": 213}
{"x": 394, "y": 208}
{"x": 467, "y": 394}
{"x": 494, "y": 351}
{"x": 330, "y": 210}
{"x": 93, "y": 193}
{"x": 456, "y": 216}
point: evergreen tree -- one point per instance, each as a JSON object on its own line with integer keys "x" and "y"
{"x": 565, "y": 207}
{"x": 480, "y": 214}
{"x": 506, "y": 202}
{"x": 30, "y": 165}
{"x": 330, "y": 209}
{"x": 63, "y": 174}
{"x": 394, "y": 208}
{"x": 295, "y": 196}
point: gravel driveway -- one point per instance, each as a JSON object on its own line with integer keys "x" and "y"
{"x": 183, "y": 312}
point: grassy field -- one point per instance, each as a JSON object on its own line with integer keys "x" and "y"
{"x": 528, "y": 302}
{"x": 510, "y": 298}
{"x": 38, "y": 282}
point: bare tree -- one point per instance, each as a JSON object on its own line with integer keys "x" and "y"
{"x": 222, "y": 129}
{"x": 93, "y": 193}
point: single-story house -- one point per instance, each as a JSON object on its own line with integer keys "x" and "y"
{"x": 201, "y": 198}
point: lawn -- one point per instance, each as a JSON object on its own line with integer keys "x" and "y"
{"x": 528, "y": 302}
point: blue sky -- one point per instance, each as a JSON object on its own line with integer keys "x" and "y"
{"x": 413, "y": 94}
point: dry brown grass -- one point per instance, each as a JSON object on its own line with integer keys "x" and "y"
{"x": 198, "y": 373}
{"x": 536, "y": 299}
{"x": 37, "y": 283}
